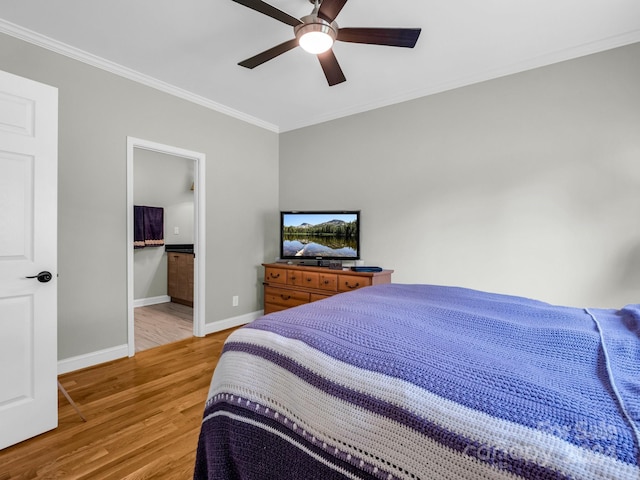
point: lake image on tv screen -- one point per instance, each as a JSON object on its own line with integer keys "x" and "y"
{"x": 333, "y": 235}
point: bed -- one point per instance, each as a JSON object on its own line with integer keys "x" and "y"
{"x": 425, "y": 382}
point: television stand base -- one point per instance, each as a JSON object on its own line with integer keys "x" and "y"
{"x": 312, "y": 263}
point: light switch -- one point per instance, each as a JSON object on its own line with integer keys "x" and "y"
{"x": 176, "y": 230}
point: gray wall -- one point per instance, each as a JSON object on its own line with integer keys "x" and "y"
{"x": 161, "y": 180}
{"x": 97, "y": 111}
{"x": 528, "y": 184}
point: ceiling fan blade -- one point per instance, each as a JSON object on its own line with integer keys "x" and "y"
{"x": 394, "y": 37}
{"x": 269, "y": 54}
{"x": 329, "y": 9}
{"x": 273, "y": 12}
{"x": 331, "y": 68}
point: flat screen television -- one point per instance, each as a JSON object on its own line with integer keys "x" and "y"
{"x": 320, "y": 235}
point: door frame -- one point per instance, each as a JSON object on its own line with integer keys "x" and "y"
{"x": 199, "y": 243}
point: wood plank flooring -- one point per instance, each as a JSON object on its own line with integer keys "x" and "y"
{"x": 163, "y": 323}
{"x": 143, "y": 418}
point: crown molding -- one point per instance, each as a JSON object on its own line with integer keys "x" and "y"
{"x": 117, "y": 69}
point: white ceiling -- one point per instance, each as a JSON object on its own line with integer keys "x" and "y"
{"x": 192, "y": 47}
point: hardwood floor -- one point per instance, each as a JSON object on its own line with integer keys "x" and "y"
{"x": 143, "y": 418}
{"x": 162, "y": 323}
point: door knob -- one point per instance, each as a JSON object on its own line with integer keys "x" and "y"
{"x": 43, "y": 277}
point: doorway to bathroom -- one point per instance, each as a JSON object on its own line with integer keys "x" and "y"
{"x": 166, "y": 254}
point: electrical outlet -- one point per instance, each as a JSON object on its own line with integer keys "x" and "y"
{"x": 234, "y": 301}
{"x": 176, "y": 230}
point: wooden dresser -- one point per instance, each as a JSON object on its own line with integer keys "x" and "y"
{"x": 180, "y": 277}
{"x": 287, "y": 286}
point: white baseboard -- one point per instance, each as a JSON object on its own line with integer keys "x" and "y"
{"x": 231, "y": 322}
{"x": 145, "y": 302}
{"x": 121, "y": 351}
{"x": 90, "y": 359}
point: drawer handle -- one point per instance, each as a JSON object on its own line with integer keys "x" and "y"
{"x": 326, "y": 282}
{"x": 285, "y": 297}
{"x": 308, "y": 279}
{"x": 276, "y": 275}
{"x": 293, "y": 279}
{"x": 352, "y": 286}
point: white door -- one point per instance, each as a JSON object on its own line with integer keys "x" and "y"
{"x": 28, "y": 244}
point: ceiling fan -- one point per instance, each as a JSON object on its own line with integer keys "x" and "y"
{"x": 317, "y": 32}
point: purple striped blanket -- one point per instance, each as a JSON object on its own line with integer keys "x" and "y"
{"x": 424, "y": 382}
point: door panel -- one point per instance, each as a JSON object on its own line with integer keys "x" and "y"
{"x": 28, "y": 244}
{"x": 16, "y": 114}
{"x": 16, "y": 358}
{"x": 16, "y": 185}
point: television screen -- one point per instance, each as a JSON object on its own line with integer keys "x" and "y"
{"x": 321, "y": 235}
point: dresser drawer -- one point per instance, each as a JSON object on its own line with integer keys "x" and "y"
{"x": 302, "y": 279}
{"x": 346, "y": 283}
{"x": 328, "y": 282}
{"x": 284, "y": 297}
{"x": 316, "y": 296}
{"x": 275, "y": 275}
{"x": 272, "y": 307}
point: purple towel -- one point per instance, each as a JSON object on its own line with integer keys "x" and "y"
{"x": 153, "y": 226}
{"x": 148, "y": 227}
{"x": 138, "y": 227}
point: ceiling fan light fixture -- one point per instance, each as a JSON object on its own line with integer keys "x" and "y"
{"x": 315, "y": 35}
{"x": 315, "y": 42}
